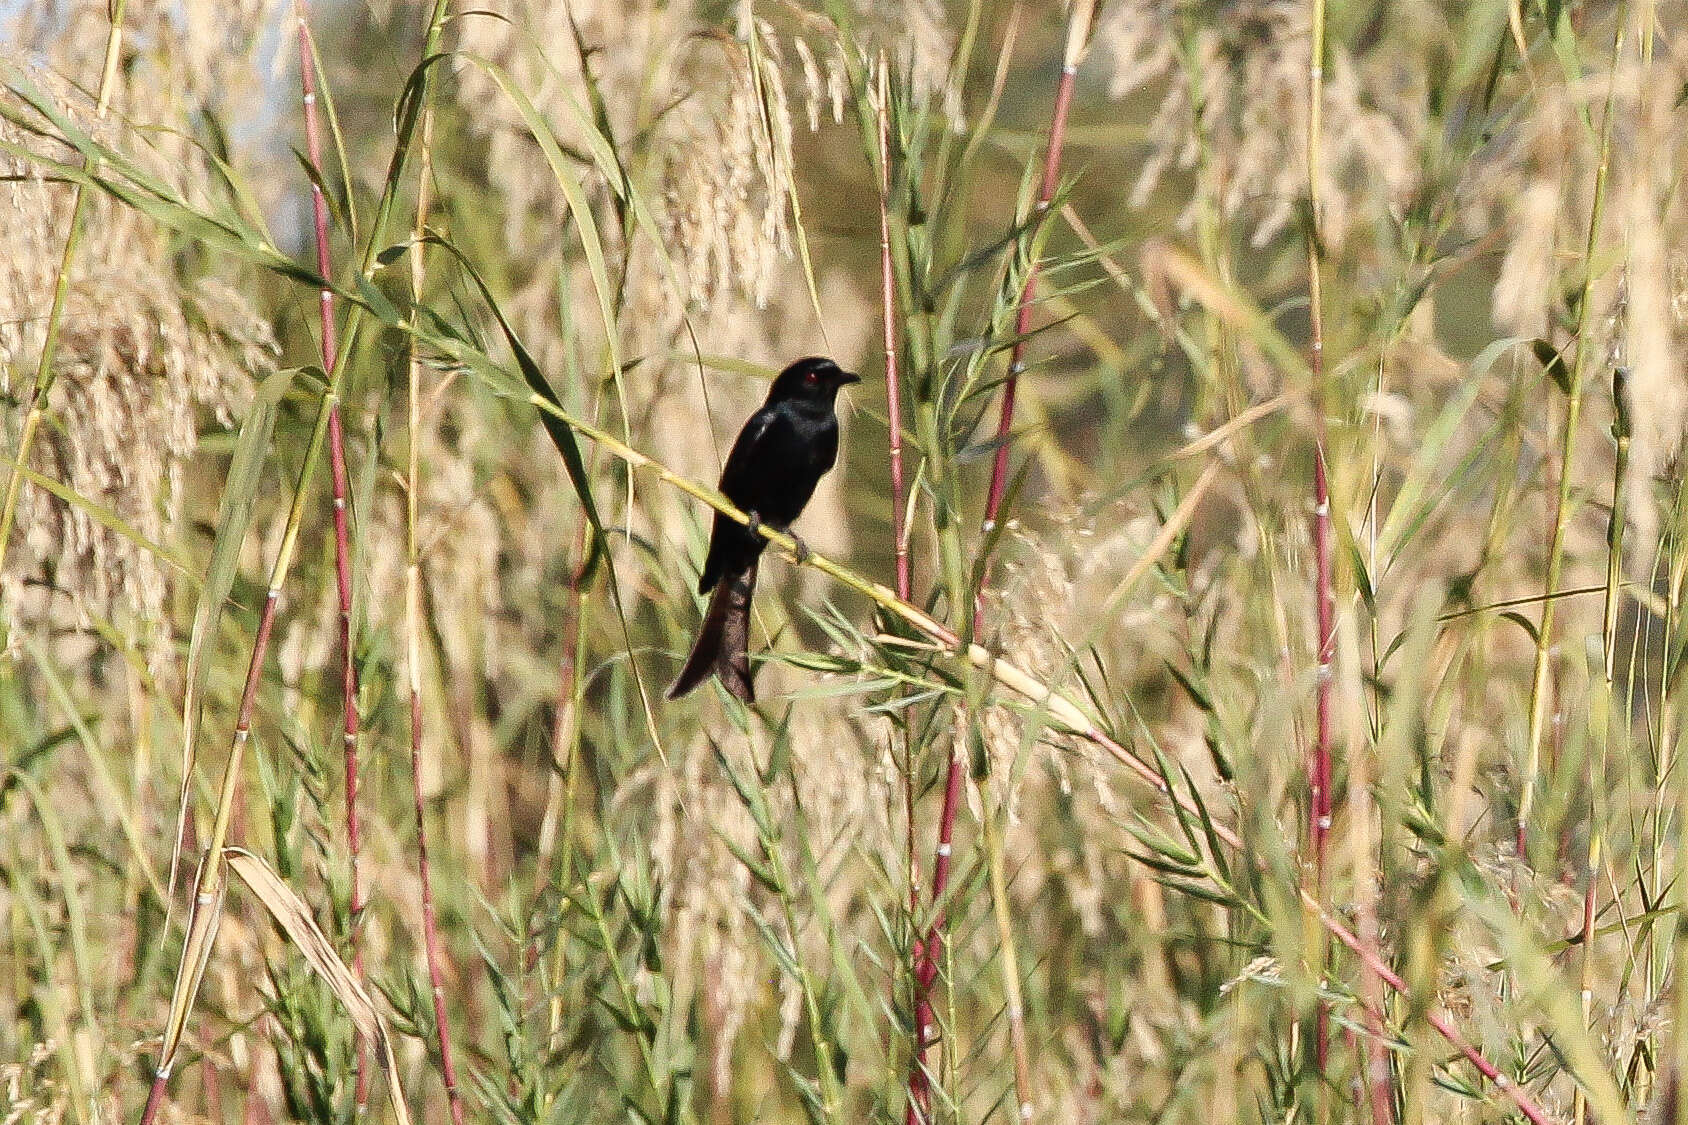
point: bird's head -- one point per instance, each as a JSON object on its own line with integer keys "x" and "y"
{"x": 815, "y": 379}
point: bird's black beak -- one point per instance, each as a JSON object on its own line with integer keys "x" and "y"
{"x": 845, "y": 378}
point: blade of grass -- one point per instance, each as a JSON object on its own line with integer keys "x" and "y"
{"x": 234, "y": 514}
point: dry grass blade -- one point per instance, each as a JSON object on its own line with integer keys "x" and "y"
{"x": 1166, "y": 267}
{"x": 203, "y": 920}
{"x": 295, "y": 920}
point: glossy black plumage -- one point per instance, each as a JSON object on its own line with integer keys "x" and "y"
{"x": 779, "y": 457}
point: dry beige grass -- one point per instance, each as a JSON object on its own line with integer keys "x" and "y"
{"x": 721, "y": 902}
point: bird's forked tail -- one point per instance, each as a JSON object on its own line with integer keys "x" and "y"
{"x": 723, "y": 643}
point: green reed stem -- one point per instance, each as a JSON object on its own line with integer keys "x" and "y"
{"x": 1540, "y": 688}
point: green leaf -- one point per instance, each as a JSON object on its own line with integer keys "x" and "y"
{"x": 579, "y": 208}
{"x": 109, "y": 520}
{"x": 1426, "y": 482}
{"x": 561, "y": 435}
{"x": 234, "y": 514}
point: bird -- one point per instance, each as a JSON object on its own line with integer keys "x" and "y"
{"x": 777, "y": 460}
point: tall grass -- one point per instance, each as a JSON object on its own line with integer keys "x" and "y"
{"x": 1234, "y": 677}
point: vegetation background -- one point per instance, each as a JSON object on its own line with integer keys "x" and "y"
{"x": 1317, "y": 755}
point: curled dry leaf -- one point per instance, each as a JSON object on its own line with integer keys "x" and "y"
{"x": 295, "y": 920}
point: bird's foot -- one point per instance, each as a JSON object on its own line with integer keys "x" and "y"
{"x": 799, "y": 549}
{"x": 753, "y": 523}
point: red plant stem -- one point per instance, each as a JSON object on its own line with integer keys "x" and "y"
{"x": 413, "y": 628}
{"x": 929, "y": 952}
{"x": 155, "y": 1096}
{"x": 430, "y": 930}
{"x": 342, "y": 547}
{"x": 1319, "y": 772}
{"x": 1319, "y": 787}
{"x": 1443, "y": 1027}
{"x": 1319, "y": 781}
{"x": 1023, "y": 317}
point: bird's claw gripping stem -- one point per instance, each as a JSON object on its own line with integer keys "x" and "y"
{"x": 800, "y": 549}
{"x": 753, "y": 522}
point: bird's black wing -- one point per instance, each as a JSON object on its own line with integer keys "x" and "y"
{"x": 747, "y": 462}
{"x": 730, "y": 544}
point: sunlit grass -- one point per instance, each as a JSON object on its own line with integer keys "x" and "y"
{"x": 562, "y": 252}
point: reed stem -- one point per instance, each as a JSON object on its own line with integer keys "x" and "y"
{"x": 1319, "y": 772}
{"x": 1541, "y": 688}
{"x": 342, "y": 545}
{"x": 434, "y": 955}
{"x": 212, "y": 877}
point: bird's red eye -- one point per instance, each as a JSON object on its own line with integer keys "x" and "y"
{"x": 811, "y": 378}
